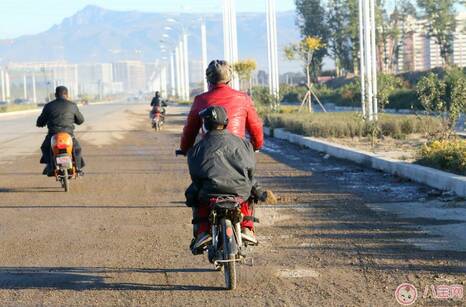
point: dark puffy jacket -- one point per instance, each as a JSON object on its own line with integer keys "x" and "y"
{"x": 60, "y": 116}
{"x": 222, "y": 164}
{"x": 241, "y": 112}
{"x": 158, "y": 102}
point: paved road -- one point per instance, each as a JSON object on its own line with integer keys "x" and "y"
{"x": 340, "y": 234}
{"x": 20, "y": 136}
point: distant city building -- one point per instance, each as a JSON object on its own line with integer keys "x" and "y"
{"x": 48, "y": 75}
{"x": 459, "y": 44}
{"x": 262, "y": 78}
{"x": 419, "y": 51}
{"x": 132, "y": 74}
{"x": 97, "y": 79}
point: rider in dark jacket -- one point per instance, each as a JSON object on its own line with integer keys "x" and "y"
{"x": 60, "y": 115}
{"x": 157, "y": 101}
{"x": 220, "y": 164}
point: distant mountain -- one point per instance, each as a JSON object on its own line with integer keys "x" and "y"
{"x": 95, "y": 34}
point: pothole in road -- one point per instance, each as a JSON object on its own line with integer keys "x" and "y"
{"x": 297, "y": 273}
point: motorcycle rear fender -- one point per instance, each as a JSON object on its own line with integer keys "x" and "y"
{"x": 231, "y": 242}
{"x": 62, "y": 141}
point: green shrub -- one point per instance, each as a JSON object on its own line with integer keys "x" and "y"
{"x": 342, "y": 125}
{"x": 292, "y": 94}
{"x": 387, "y": 85}
{"x": 261, "y": 96}
{"x": 445, "y": 155}
{"x": 407, "y": 126}
{"x": 444, "y": 98}
{"x": 351, "y": 92}
{"x": 404, "y": 99}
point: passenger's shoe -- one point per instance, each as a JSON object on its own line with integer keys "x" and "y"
{"x": 47, "y": 172}
{"x": 201, "y": 241}
{"x": 80, "y": 172}
{"x": 249, "y": 236}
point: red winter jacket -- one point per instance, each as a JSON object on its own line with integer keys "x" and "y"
{"x": 242, "y": 116}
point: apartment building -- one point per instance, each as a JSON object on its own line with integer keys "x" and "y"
{"x": 419, "y": 51}
{"x": 132, "y": 74}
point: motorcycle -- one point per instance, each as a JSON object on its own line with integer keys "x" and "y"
{"x": 63, "y": 161}
{"x": 227, "y": 248}
{"x": 158, "y": 119}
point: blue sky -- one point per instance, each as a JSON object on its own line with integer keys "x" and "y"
{"x": 19, "y": 17}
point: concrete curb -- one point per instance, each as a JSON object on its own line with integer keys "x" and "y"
{"x": 421, "y": 174}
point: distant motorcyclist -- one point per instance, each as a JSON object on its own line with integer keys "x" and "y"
{"x": 220, "y": 164}
{"x": 158, "y": 102}
{"x": 60, "y": 115}
{"x": 238, "y": 105}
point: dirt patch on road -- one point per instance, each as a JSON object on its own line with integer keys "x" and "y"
{"x": 120, "y": 236}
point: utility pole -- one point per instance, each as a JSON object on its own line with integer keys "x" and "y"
{"x": 204, "y": 53}
{"x": 274, "y": 77}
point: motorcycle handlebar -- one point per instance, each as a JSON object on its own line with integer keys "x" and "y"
{"x": 178, "y": 152}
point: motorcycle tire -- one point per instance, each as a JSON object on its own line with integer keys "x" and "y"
{"x": 66, "y": 180}
{"x": 229, "y": 267}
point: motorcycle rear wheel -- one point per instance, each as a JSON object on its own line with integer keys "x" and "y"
{"x": 66, "y": 180}
{"x": 229, "y": 267}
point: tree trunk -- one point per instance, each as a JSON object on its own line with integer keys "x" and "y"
{"x": 309, "y": 83}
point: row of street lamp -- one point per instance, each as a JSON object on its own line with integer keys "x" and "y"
{"x": 179, "y": 70}
{"x": 178, "y": 51}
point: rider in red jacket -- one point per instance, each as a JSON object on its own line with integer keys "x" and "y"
{"x": 243, "y": 119}
{"x": 239, "y": 106}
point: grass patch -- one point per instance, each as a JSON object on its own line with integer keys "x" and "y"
{"x": 16, "y": 107}
{"x": 447, "y": 155}
{"x": 348, "y": 124}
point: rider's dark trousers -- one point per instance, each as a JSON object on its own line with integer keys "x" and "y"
{"x": 47, "y": 152}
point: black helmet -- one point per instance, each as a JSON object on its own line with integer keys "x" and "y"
{"x": 214, "y": 116}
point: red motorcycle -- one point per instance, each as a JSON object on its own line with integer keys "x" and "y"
{"x": 158, "y": 118}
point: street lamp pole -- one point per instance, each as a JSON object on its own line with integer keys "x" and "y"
{"x": 2, "y": 75}
{"x": 274, "y": 82}
{"x": 34, "y": 94}
{"x": 230, "y": 36}
{"x": 178, "y": 71}
{"x": 163, "y": 79}
{"x": 362, "y": 72}
{"x": 182, "y": 69}
{"x": 172, "y": 75}
{"x": 25, "y": 87}
{"x": 204, "y": 53}
{"x": 368, "y": 59}
{"x": 186, "y": 67}
{"x": 374, "y": 60}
